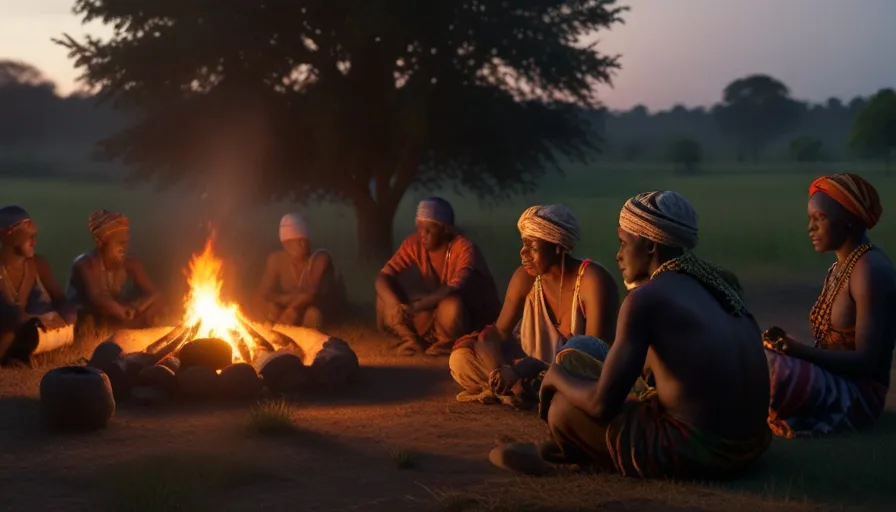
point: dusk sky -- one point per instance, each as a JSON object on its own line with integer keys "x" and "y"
{"x": 673, "y": 51}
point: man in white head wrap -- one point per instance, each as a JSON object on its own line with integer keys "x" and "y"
{"x": 437, "y": 286}
{"x": 551, "y": 298}
{"x": 300, "y": 286}
{"x": 702, "y": 409}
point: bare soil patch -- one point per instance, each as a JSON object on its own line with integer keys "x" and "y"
{"x": 395, "y": 441}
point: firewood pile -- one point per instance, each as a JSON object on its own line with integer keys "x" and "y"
{"x": 179, "y": 366}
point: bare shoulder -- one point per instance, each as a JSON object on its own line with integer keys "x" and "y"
{"x": 323, "y": 258}
{"x": 598, "y": 274}
{"x": 520, "y": 283}
{"x": 875, "y": 271}
{"x": 83, "y": 261}
{"x": 40, "y": 262}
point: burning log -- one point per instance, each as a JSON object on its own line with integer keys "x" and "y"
{"x": 166, "y": 339}
{"x": 241, "y": 346}
{"x": 257, "y": 338}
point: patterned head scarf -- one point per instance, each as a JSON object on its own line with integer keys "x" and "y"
{"x": 436, "y": 209}
{"x": 661, "y": 216}
{"x": 853, "y": 193}
{"x": 103, "y": 223}
{"x": 13, "y": 216}
{"x": 293, "y": 226}
{"x": 554, "y": 223}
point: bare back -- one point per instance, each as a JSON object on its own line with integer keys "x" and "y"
{"x": 709, "y": 365}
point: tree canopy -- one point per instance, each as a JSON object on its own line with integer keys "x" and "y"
{"x": 874, "y": 129}
{"x": 757, "y": 109}
{"x": 348, "y": 99}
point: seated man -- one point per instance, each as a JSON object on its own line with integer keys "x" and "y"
{"x": 841, "y": 383}
{"x": 28, "y": 290}
{"x": 437, "y": 286}
{"x": 299, "y": 286}
{"x": 100, "y": 279}
{"x": 687, "y": 324}
{"x": 553, "y": 296}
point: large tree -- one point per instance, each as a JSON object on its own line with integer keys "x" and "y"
{"x": 756, "y": 110}
{"x": 874, "y": 129}
{"x": 348, "y": 99}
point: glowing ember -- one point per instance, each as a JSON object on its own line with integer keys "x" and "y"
{"x": 205, "y": 309}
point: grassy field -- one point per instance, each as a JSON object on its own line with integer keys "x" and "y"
{"x": 398, "y": 439}
{"x": 752, "y": 219}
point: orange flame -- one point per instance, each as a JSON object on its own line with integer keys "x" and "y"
{"x": 204, "y": 307}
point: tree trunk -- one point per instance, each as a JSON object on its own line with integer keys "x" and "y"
{"x": 375, "y": 232}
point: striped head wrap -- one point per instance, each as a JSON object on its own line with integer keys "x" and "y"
{"x": 293, "y": 226}
{"x": 13, "y": 216}
{"x": 853, "y": 193}
{"x": 103, "y": 223}
{"x": 661, "y": 216}
{"x": 436, "y": 209}
{"x": 554, "y": 223}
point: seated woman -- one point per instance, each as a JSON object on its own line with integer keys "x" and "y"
{"x": 553, "y": 296}
{"x": 299, "y": 286}
{"x": 840, "y": 384}
{"x": 110, "y": 285}
{"x": 28, "y": 290}
{"x": 687, "y": 323}
{"x": 436, "y": 287}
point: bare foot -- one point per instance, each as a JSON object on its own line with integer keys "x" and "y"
{"x": 440, "y": 349}
{"x": 519, "y": 457}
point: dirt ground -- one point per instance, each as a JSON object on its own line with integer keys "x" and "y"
{"x": 395, "y": 441}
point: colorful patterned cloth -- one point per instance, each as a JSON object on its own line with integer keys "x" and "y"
{"x": 808, "y": 400}
{"x": 645, "y": 442}
{"x": 853, "y": 193}
{"x": 103, "y": 223}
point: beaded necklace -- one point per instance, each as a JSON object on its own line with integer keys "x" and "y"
{"x": 820, "y": 315}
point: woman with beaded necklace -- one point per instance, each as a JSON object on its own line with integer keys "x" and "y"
{"x": 840, "y": 383}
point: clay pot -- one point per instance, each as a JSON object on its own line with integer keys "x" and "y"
{"x": 118, "y": 377}
{"x": 212, "y": 353}
{"x": 172, "y": 363}
{"x": 106, "y": 352}
{"x": 76, "y": 398}
{"x": 197, "y": 383}
{"x": 335, "y": 364}
{"x": 158, "y": 377}
{"x": 283, "y": 372}
{"x": 239, "y": 382}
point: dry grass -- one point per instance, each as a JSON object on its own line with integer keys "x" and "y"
{"x": 87, "y": 337}
{"x": 271, "y": 418}
{"x": 403, "y": 458}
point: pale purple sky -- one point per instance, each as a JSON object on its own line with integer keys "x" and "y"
{"x": 673, "y": 51}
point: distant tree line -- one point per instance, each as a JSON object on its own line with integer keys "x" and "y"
{"x": 757, "y": 120}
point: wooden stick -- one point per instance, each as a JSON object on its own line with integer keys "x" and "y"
{"x": 259, "y": 340}
{"x": 241, "y": 346}
{"x": 179, "y": 343}
{"x": 164, "y": 340}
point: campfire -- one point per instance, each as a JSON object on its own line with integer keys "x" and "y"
{"x": 207, "y": 315}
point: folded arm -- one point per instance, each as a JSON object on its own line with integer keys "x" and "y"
{"x": 322, "y": 263}
{"x": 489, "y": 349}
{"x": 101, "y": 301}
{"x": 61, "y": 304}
{"x": 149, "y": 292}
